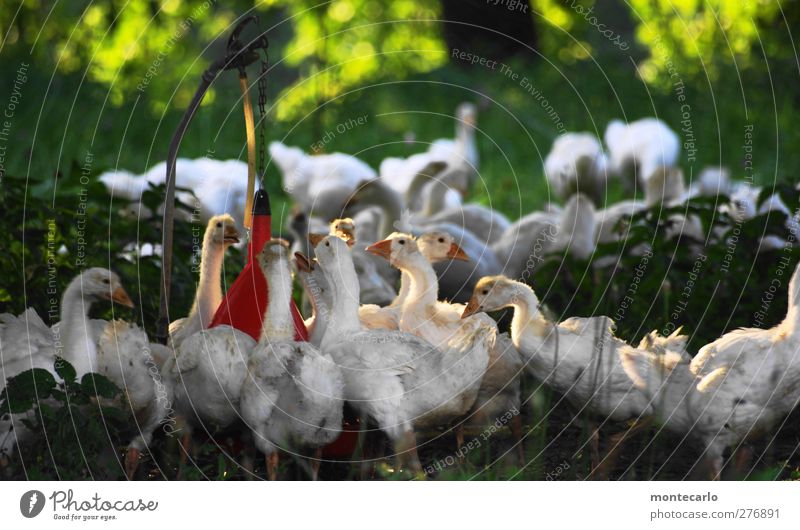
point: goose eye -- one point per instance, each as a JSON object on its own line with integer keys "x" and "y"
{"x": 105, "y": 280}
{"x": 219, "y": 224}
{"x": 485, "y": 292}
{"x": 402, "y": 241}
{"x": 441, "y": 240}
{"x": 327, "y": 243}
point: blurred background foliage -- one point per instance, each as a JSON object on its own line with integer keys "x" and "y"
{"x": 108, "y": 81}
{"x": 104, "y": 83}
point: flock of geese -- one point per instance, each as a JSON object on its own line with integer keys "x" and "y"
{"x": 399, "y": 274}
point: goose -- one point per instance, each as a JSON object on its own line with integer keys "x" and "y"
{"x": 576, "y": 163}
{"x": 320, "y": 184}
{"x": 206, "y": 373}
{"x": 752, "y": 379}
{"x": 485, "y": 223}
{"x": 315, "y": 286}
{"x": 220, "y": 234}
{"x": 293, "y": 394}
{"x": 665, "y": 187}
{"x": 460, "y": 154}
{"x": 579, "y": 357}
{"x": 439, "y": 322}
{"x": 26, "y": 342}
{"x": 399, "y": 380}
{"x": 376, "y": 280}
{"x": 118, "y": 350}
{"x": 217, "y": 187}
{"x": 641, "y": 147}
{"x": 523, "y": 246}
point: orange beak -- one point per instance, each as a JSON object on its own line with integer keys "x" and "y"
{"x": 121, "y": 297}
{"x": 381, "y": 248}
{"x": 314, "y": 239}
{"x": 303, "y": 263}
{"x": 472, "y": 307}
{"x": 456, "y": 252}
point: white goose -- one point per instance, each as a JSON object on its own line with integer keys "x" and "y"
{"x": 219, "y": 185}
{"x": 25, "y": 343}
{"x": 751, "y": 378}
{"x": 119, "y": 350}
{"x": 293, "y": 394}
{"x": 460, "y": 154}
{"x": 397, "y": 379}
{"x": 641, "y": 147}
{"x": 220, "y": 234}
{"x": 579, "y": 357}
{"x": 576, "y": 163}
{"x": 440, "y": 322}
{"x": 320, "y": 184}
{"x": 526, "y": 243}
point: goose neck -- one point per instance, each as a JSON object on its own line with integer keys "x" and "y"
{"x": 424, "y": 285}
{"x": 278, "y": 322}
{"x": 209, "y": 287}
{"x": 79, "y": 347}
{"x": 345, "y": 301}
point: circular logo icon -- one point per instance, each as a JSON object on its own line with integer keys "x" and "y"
{"x": 31, "y": 503}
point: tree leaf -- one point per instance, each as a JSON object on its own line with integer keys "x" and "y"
{"x": 65, "y": 370}
{"x": 99, "y": 385}
{"x": 25, "y": 389}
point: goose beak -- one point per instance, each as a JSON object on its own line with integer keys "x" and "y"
{"x": 381, "y": 248}
{"x": 457, "y": 252}
{"x": 231, "y": 235}
{"x": 303, "y": 263}
{"x": 121, "y": 297}
{"x": 472, "y": 307}
{"x": 314, "y": 239}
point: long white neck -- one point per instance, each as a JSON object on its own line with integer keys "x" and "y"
{"x": 528, "y": 325}
{"x": 320, "y": 310}
{"x": 80, "y": 349}
{"x": 343, "y": 283}
{"x": 278, "y": 322}
{"x": 424, "y": 288}
{"x": 405, "y": 288}
{"x": 465, "y": 142}
{"x": 208, "y": 296}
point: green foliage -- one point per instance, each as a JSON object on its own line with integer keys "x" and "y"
{"x": 344, "y": 44}
{"x": 76, "y": 428}
{"x": 707, "y": 286}
{"x": 700, "y": 38}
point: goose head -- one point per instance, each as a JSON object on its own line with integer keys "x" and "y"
{"x": 221, "y": 231}
{"x": 345, "y": 229}
{"x": 331, "y": 251}
{"x": 102, "y": 284}
{"x": 493, "y": 293}
{"x": 440, "y": 246}
{"x": 396, "y": 248}
{"x": 273, "y": 252}
{"x": 467, "y": 114}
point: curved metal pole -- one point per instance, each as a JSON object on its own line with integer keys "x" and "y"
{"x": 239, "y": 57}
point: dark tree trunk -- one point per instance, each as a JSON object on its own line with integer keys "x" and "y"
{"x": 493, "y": 30}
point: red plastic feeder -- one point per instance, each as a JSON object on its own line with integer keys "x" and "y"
{"x": 246, "y": 301}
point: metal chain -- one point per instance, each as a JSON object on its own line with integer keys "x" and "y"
{"x": 262, "y": 116}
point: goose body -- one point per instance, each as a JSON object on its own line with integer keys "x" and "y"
{"x": 220, "y": 234}
{"x": 576, "y": 163}
{"x": 579, "y": 357}
{"x": 320, "y": 184}
{"x": 641, "y": 147}
{"x": 293, "y": 394}
{"x": 397, "y": 379}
